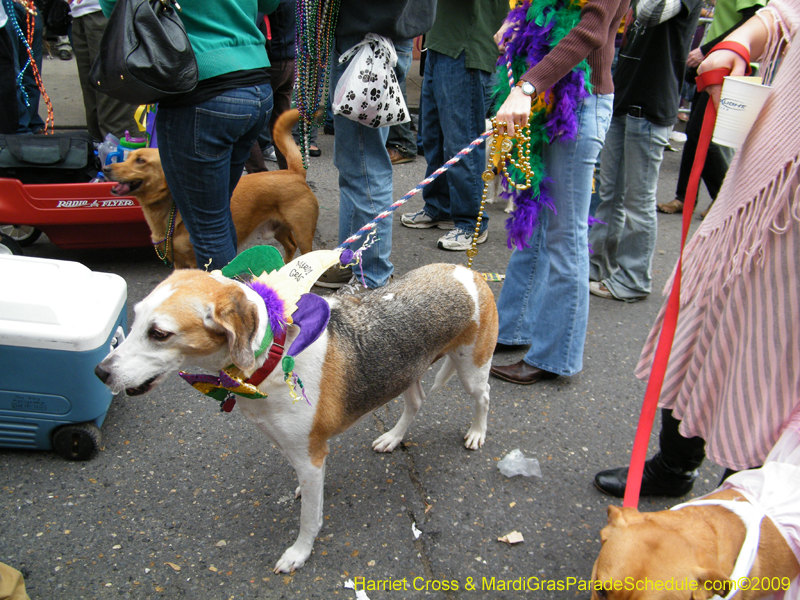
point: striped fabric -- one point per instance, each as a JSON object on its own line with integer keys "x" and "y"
{"x": 734, "y": 372}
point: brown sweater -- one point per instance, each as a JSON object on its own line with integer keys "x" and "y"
{"x": 592, "y": 38}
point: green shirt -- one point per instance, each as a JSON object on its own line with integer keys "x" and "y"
{"x": 468, "y": 26}
{"x": 223, "y": 33}
{"x": 726, "y": 15}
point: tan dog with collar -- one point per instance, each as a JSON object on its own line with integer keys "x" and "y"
{"x": 275, "y": 204}
{"x": 693, "y": 548}
{"x": 368, "y": 354}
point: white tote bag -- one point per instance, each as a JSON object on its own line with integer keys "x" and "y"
{"x": 368, "y": 91}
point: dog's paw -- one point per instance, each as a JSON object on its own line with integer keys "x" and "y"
{"x": 292, "y": 559}
{"x": 387, "y": 442}
{"x": 474, "y": 439}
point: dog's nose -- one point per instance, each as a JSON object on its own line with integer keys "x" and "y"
{"x": 101, "y": 373}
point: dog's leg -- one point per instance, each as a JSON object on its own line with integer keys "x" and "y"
{"x": 476, "y": 382}
{"x": 286, "y": 239}
{"x": 413, "y": 397}
{"x": 312, "y": 481}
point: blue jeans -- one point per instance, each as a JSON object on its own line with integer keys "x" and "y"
{"x": 203, "y": 149}
{"x": 623, "y": 245}
{"x": 544, "y": 301}
{"x": 29, "y": 119}
{"x": 453, "y": 106}
{"x": 365, "y": 172}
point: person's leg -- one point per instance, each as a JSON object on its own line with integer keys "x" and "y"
{"x": 460, "y": 95}
{"x": 203, "y": 149}
{"x": 365, "y": 174}
{"x": 560, "y": 320}
{"x": 84, "y": 54}
{"x": 401, "y": 138}
{"x": 693, "y": 126}
{"x": 644, "y": 149}
{"x": 29, "y": 119}
{"x": 437, "y": 193}
{"x": 671, "y": 472}
{"x": 532, "y": 270}
{"x": 282, "y": 79}
{"x": 113, "y": 116}
{"x": 9, "y": 115}
{"x": 605, "y": 234}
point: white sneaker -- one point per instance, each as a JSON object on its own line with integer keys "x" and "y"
{"x": 420, "y": 220}
{"x": 459, "y": 240}
{"x": 269, "y": 154}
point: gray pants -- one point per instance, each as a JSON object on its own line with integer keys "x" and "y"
{"x": 103, "y": 114}
{"x": 624, "y": 243}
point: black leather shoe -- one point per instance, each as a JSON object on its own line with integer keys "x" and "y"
{"x": 521, "y": 373}
{"x": 658, "y": 479}
{"x": 501, "y": 347}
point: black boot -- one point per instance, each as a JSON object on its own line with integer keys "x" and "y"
{"x": 658, "y": 479}
{"x": 671, "y": 472}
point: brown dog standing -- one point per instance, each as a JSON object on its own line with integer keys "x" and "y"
{"x": 692, "y": 550}
{"x": 275, "y": 204}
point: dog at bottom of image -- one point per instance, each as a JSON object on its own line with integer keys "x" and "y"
{"x": 691, "y": 552}
{"x": 275, "y": 204}
{"x": 366, "y": 356}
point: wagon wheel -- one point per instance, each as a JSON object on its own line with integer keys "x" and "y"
{"x": 8, "y": 246}
{"x": 77, "y": 442}
{"x": 24, "y": 235}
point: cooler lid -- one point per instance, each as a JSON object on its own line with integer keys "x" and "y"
{"x": 57, "y": 304}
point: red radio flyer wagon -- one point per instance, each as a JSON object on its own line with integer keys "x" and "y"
{"x": 73, "y": 215}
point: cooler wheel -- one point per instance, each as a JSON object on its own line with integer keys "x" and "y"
{"x": 77, "y": 442}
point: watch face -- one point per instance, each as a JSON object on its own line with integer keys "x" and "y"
{"x": 527, "y": 88}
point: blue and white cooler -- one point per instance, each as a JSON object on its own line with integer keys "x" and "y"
{"x": 58, "y": 319}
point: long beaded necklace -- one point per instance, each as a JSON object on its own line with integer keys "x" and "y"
{"x": 31, "y": 14}
{"x": 316, "y": 23}
{"x": 537, "y": 27}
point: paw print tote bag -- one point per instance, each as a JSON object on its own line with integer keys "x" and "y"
{"x": 368, "y": 91}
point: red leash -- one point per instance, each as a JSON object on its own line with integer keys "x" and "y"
{"x": 657, "y": 372}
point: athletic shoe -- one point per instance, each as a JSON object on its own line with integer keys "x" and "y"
{"x": 420, "y": 220}
{"x": 459, "y": 240}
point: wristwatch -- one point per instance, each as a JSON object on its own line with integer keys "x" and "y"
{"x": 527, "y": 88}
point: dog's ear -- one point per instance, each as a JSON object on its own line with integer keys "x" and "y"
{"x": 711, "y": 582}
{"x": 238, "y": 316}
{"x": 622, "y": 517}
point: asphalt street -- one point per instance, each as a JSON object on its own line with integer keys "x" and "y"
{"x": 188, "y": 502}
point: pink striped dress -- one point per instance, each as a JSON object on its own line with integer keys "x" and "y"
{"x": 734, "y": 372}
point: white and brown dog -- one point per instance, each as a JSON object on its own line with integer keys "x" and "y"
{"x": 367, "y": 355}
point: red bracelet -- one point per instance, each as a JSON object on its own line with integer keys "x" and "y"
{"x": 736, "y": 48}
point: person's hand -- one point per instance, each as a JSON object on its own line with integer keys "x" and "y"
{"x": 498, "y": 37}
{"x": 721, "y": 59}
{"x": 695, "y": 58}
{"x": 515, "y": 112}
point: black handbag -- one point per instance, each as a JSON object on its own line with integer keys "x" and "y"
{"x": 145, "y": 55}
{"x": 65, "y": 157}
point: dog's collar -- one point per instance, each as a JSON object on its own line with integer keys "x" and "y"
{"x": 751, "y": 515}
{"x": 284, "y": 290}
{"x": 222, "y": 387}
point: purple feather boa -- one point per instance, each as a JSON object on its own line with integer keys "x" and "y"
{"x": 533, "y": 42}
{"x": 275, "y": 306}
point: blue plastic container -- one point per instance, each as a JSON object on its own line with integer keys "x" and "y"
{"x": 58, "y": 319}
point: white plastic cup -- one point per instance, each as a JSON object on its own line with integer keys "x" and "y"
{"x": 740, "y": 103}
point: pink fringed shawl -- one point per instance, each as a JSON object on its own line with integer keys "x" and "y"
{"x": 761, "y": 193}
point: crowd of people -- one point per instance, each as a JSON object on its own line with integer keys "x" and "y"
{"x": 734, "y": 375}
